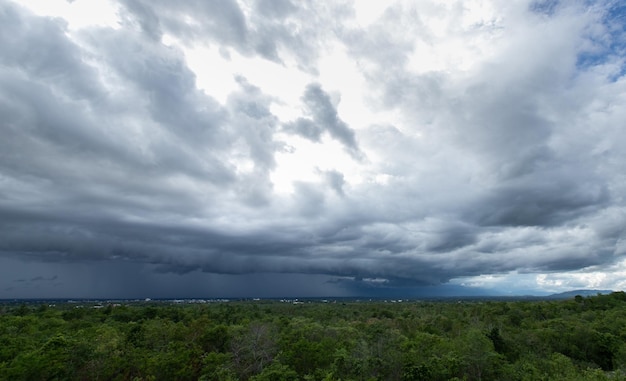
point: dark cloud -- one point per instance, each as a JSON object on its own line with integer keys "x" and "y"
{"x": 114, "y": 165}
{"x": 323, "y": 112}
{"x": 548, "y": 201}
{"x": 324, "y": 118}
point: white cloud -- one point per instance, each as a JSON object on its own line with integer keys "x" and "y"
{"x": 77, "y": 13}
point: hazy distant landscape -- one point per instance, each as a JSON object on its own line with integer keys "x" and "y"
{"x": 352, "y": 299}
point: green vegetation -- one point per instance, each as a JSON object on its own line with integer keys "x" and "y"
{"x": 577, "y": 339}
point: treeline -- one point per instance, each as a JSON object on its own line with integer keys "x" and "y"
{"x": 578, "y": 339}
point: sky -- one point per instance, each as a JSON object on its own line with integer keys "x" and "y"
{"x": 269, "y": 148}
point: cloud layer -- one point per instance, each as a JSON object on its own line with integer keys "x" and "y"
{"x": 489, "y": 145}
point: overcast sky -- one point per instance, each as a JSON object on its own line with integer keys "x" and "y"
{"x": 154, "y": 148}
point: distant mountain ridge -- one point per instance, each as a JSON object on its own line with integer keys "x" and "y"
{"x": 573, "y": 293}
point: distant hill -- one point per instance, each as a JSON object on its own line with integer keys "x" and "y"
{"x": 573, "y": 293}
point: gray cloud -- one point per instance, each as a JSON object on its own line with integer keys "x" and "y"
{"x": 324, "y": 118}
{"x": 275, "y": 9}
{"x": 547, "y": 196}
{"x": 224, "y": 21}
{"x": 323, "y": 112}
{"x": 336, "y": 181}
{"x": 275, "y": 30}
{"x": 306, "y": 128}
{"x": 112, "y": 158}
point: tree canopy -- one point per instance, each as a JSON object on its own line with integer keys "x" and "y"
{"x": 578, "y": 339}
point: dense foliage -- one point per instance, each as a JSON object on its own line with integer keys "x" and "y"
{"x": 578, "y": 339}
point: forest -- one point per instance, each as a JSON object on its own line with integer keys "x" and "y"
{"x": 583, "y": 338}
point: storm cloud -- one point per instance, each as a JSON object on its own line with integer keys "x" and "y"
{"x": 488, "y": 146}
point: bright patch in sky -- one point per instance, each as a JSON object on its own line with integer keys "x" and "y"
{"x": 369, "y": 11}
{"x": 78, "y": 13}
